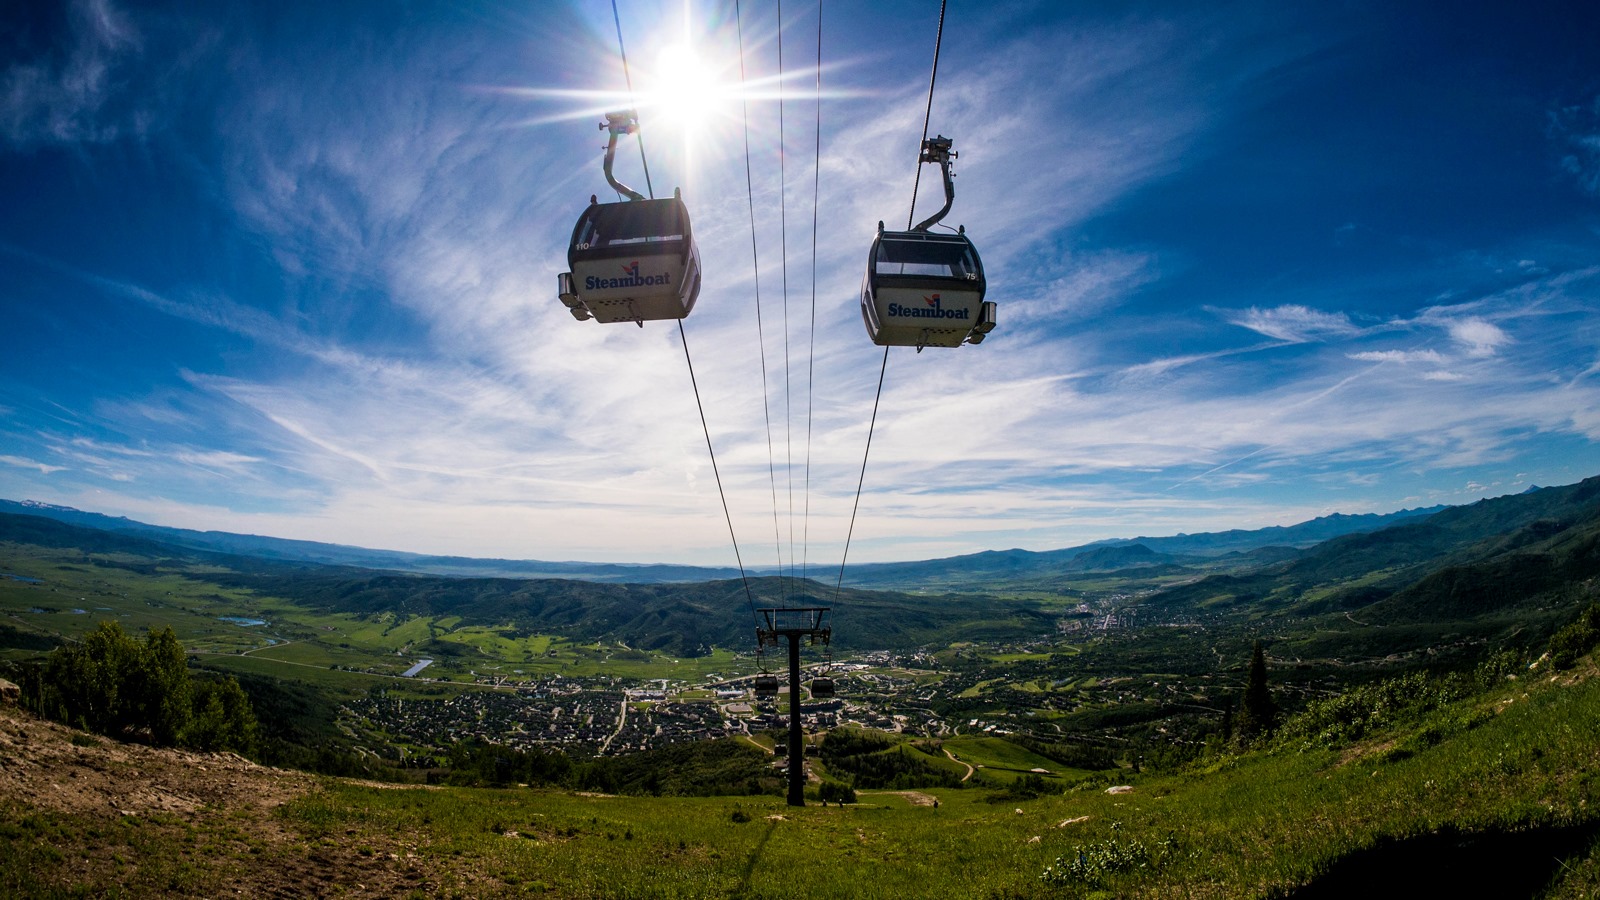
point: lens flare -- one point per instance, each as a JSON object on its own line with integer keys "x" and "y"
{"x": 685, "y": 91}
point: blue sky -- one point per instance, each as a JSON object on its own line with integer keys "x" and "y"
{"x": 289, "y": 269}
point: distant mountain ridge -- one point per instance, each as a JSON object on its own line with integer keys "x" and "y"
{"x": 1484, "y": 558}
{"x": 1305, "y": 534}
{"x": 1509, "y": 563}
{"x": 290, "y": 550}
{"x": 1107, "y": 555}
{"x": 676, "y": 619}
{"x": 1125, "y": 553}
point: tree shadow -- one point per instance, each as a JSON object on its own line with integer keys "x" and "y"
{"x": 1453, "y": 863}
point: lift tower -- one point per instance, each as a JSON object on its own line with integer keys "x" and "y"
{"x": 794, "y": 623}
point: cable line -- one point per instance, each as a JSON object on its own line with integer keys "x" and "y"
{"x": 720, "y": 492}
{"x": 628, "y": 76}
{"x": 862, "y": 479}
{"x": 926, "y": 116}
{"x": 783, "y": 240}
{"x": 811, "y": 350}
{"x": 933, "y": 78}
{"x": 684, "y": 338}
{"x": 761, "y": 340}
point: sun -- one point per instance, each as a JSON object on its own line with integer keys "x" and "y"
{"x": 686, "y": 92}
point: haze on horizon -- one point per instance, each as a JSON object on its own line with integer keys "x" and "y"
{"x": 290, "y": 271}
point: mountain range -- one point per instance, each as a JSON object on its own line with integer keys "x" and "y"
{"x": 957, "y": 571}
{"x": 1496, "y": 566}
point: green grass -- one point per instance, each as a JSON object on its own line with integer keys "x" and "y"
{"x": 1521, "y": 760}
{"x": 1001, "y": 759}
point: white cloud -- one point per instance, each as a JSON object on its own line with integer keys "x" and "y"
{"x": 1294, "y": 323}
{"x": 23, "y": 462}
{"x": 216, "y": 459}
{"x": 1479, "y": 338}
{"x": 1398, "y": 356}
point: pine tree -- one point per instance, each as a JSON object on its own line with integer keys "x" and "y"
{"x": 1258, "y": 715}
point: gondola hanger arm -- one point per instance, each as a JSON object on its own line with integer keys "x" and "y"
{"x": 624, "y": 121}
{"x": 937, "y": 150}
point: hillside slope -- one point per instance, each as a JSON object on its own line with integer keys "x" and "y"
{"x": 1492, "y": 795}
{"x": 1358, "y": 570}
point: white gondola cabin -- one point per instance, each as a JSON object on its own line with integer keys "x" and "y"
{"x": 924, "y": 290}
{"x": 633, "y": 261}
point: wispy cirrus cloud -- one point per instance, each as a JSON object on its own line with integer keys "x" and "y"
{"x": 22, "y": 462}
{"x": 1293, "y": 323}
{"x": 101, "y": 78}
{"x": 1402, "y": 357}
{"x": 1575, "y": 130}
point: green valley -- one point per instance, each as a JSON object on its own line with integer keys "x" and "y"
{"x": 1062, "y": 734}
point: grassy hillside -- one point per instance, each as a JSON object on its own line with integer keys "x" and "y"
{"x": 1494, "y": 793}
{"x": 1389, "y": 777}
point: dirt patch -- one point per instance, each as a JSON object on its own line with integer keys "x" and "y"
{"x": 97, "y": 816}
{"x": 46, "y": 765}
{"x": 915, "y": 798}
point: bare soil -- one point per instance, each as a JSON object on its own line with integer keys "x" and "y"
{"x": 90, "y": 816}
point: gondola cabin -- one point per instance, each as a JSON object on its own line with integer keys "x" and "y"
{"x": 766, "y": 685}
{"x": 634, "y": 261}
{"x": 822, "y": 687}
{"x": 924, "y": 290}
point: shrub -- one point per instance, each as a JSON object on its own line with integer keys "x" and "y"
{"x": 1092, "y": 864}
{"x": 1028, "y": 787}
{"x": 836, "y": 792}
{"x": 1569, "y": 644}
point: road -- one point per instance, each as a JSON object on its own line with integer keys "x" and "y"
{"x": 622, "y": 719}
{"x": 952, "y": 756}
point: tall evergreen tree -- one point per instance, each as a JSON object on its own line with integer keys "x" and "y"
{"x": 1258, "y": 715}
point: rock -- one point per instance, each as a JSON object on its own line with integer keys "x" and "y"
{"x": 1034, "y": 839}
{"x": 1120, "y": 789}
{"x": 1066, "y": 822}
{"x": 10, "y": 694}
